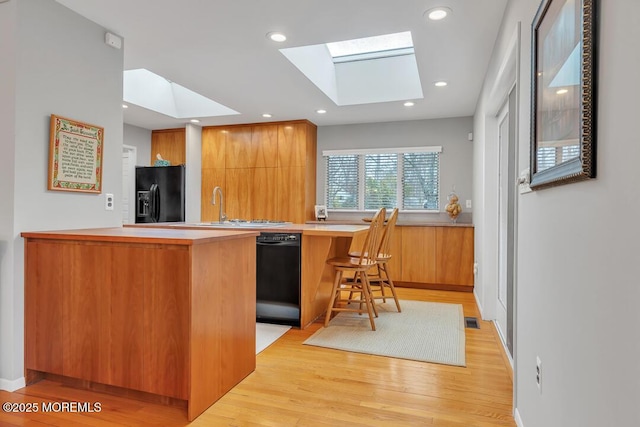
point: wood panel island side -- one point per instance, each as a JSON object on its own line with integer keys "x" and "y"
{"x": 162, "y": 314}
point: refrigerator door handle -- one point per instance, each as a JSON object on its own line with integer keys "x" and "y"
{"x": 152, "y": 202}
{"x": 156, "y": 200}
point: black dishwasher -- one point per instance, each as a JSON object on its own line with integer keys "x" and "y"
{"x": 278, "y": 278}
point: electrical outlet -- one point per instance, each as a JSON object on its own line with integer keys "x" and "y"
{"x": 468, "y": 204}
{"x": 475, "y": 268}
{"x": 539, "y": 374}
{"x": 108, "y": 202}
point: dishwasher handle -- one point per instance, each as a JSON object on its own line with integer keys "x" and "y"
{"x": 279, "y": 243}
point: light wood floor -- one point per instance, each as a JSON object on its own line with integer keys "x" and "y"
{"x": 298, "y": 385}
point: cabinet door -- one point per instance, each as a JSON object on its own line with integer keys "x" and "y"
{"x": 214, "y": 148}
{"x": 166, "y": 305}
{"x": 292, "y": 144}
{"x": 264, "y": 143}
{"x": 394, "y": 266}
{"x": 238, "y": 193}
{"x": 454, "y": 255}
{"x": 170, "y": 144}
{"x": 239, "y": 152}
{"x": 210, "y": 179}
{"x": 263, "y": 190}
{"x": 418, "y": 254}
{"x": 291, "y": 194}
{"x": 85, "y": 321}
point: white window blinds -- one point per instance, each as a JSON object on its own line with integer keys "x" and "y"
{"x": 380, "y": 186}
{"x": 408, "y": 178}
{"x": 421, "y": 181}
{"x": 342, "y": 182}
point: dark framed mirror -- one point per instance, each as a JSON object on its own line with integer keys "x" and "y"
{"x": 563, "y": 137}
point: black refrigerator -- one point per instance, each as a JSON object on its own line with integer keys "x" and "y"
{"x": 160, "y": 193}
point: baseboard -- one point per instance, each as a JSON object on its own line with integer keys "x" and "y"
{"x": 516, "y": 416}
{"x": 9, "y": 385}
{"x": 433, "y": 286}
{"x": 475, "y": 296}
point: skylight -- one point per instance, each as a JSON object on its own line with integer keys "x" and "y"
{"x": 361, "y": 71}
{"x": 372, "y": 47}
{"x": 153, "y": 92}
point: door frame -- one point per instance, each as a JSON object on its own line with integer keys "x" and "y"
{"x": 507, "y": 79}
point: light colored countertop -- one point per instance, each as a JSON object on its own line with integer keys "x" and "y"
{"x": 174, "y": 236}
{"x": 315, "y": 229}
{"x": 403, "y": 223}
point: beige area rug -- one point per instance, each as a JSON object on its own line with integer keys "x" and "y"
{"x": 423, "y": 331}
{"x": 267, "y": 334}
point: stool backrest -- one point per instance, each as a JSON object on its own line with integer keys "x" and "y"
{"x": 385, "y": 242}
{"x": 369, "y": 252}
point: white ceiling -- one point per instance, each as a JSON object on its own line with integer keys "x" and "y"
{"x": 218, "y": 48}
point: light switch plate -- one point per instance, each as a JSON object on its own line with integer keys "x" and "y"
{"x": 108, "y": 202}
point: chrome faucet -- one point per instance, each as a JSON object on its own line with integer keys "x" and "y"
{"x": 222, "y": 215}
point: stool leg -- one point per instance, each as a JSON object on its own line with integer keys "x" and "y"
{"x": 366, "y": 291}
{"x": 391, "y": 286}
{"x": 334, "y": 293}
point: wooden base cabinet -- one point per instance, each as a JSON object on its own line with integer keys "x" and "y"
{"x": 439, "y": 256}
{"x": 158, "y": 318}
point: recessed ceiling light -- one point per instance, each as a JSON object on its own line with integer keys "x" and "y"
{"x": 266, "y": 115}
{"x": 440, "y": 84}
{"x": 194, "y": 121}
{"x": 437, "y": 13}
{"x": 125, "y": 106}
{"x": 409, "y": 104}
{"x": 276, "y": 36}
{"x": 321, "y": 111}
{"x": 562, "y": 91}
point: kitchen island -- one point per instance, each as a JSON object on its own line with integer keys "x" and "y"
{"x": 319, "y": 243}
{"x": 159, "y": 314}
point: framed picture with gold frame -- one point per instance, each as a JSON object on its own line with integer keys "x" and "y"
{"x": 75, "y": 156}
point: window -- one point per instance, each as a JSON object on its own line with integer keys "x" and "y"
{"x": 368, "y": 179}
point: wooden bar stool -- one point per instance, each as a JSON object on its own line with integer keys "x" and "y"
{"x": 380, "y": 278}
{"x": 359, "y": 298}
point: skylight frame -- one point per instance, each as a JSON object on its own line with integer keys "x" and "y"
{"x": 375, "y": 47}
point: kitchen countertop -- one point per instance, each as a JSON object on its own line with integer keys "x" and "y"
{"x": 176, "y": 236}
{"x": 403, "y": 223}
{"x": 309, "y": 229}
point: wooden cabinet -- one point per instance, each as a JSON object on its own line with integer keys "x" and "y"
{"x": 293, "y": 144}
{"x": 454, "y": 255}
{"x": 170, "y": 144}
{"x": 143, "y": 310}
{"x": 441, "y": 256}
{"x": 214, "y": 145}
{"x": 238, "y": 151}
{"x": 266, "y": 171}
{"x": 418, "y": 254}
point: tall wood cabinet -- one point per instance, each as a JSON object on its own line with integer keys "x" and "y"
{"x": 266, "y": 171}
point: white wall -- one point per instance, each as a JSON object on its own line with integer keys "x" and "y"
{"x": 193, "y": 172}
{"x": 9, "y": 335}
{"x": 578, "y": 244}
{"x": 63, "y": 67}
{"x": 141, "y": 139}
{"x": 451, "y": 134}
